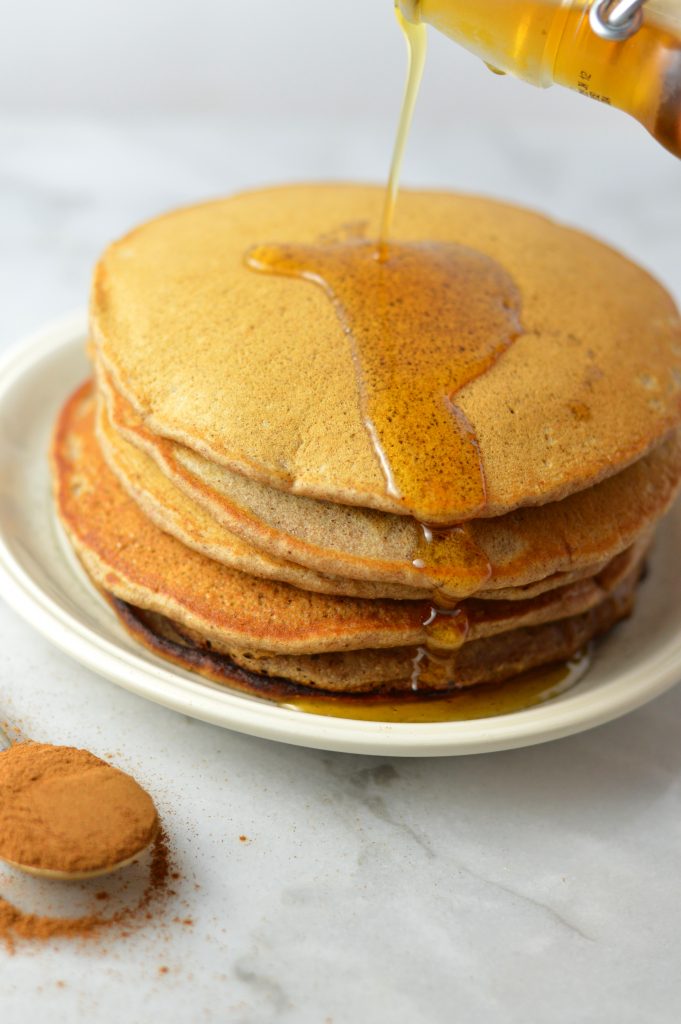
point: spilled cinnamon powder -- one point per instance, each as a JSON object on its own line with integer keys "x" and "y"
{"x": 18, "y": 926}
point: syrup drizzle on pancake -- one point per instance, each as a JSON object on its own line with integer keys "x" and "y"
{"x": 423, "y": 321}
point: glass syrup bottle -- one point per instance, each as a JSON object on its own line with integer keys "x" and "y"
{"x": 626, "y": 53}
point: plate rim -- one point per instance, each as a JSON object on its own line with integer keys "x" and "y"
{"x": 576, "y": 712}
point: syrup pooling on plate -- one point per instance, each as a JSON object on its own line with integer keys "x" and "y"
{"x": 423, "y": 321}
{"x": 468, "y": 702}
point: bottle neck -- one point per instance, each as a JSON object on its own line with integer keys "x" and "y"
{"x": 411, "y": 10}
{"x": 517, "y": 37}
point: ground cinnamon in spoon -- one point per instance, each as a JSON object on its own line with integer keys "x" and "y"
{"x": 63, "y": 809}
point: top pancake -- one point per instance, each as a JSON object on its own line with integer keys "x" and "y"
{"x": 255, "y": 372}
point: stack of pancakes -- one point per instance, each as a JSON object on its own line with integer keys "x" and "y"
{"x": 217, "y": 479}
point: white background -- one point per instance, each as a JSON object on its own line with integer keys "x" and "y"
{"x": 114, "y": 112}
{"x": 247, "y": 57}
{"x": 538, "y": 885}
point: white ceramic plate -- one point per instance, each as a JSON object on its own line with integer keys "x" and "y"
{"x": 639, "y": 661}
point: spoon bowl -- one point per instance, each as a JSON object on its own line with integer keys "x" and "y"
{"x": 78, "y": 876}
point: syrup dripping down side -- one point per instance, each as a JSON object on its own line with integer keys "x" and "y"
{"x": 424, "y": 319}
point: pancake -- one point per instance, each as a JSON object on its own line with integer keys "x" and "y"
{"x": 378, "y": 672}
{"x": 175, "y": 513}
{"x": 554, "y": 542}
{"x": 256, "y": 374}
{"x": 127, "y": 555}
{"x": 490, "y": 655}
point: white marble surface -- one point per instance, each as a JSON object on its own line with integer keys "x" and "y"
{"x": 538, "y": 885}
